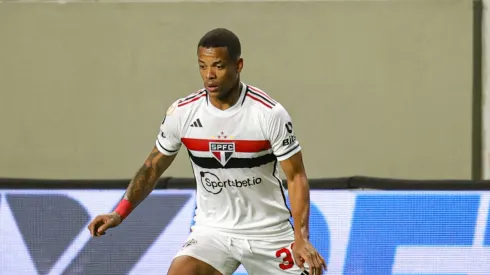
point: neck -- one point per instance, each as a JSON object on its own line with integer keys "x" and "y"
{"x": 230, "y": 99}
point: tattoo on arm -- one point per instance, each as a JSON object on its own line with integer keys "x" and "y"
{"x": 147, "y": 176}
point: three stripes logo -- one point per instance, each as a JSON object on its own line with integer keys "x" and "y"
{"x": 197, "y": 123}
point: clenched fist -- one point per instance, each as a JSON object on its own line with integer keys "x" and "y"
{"x": 101, "y": 223}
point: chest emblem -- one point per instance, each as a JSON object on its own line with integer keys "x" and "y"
{"x": 222, "y": 151}
{"x": 221, "y": 148}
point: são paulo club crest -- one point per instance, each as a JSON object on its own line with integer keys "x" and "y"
{"x": 222, "y": 150}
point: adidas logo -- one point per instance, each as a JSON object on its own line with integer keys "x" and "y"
{"x": 196, "y": 123}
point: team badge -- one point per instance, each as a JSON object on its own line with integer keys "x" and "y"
{"x": 222, "y": 151}
{"x": 171, "y": 108}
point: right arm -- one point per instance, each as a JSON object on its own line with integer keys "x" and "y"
{"x": 139, "y": 188}
{"x": 147, "y": 176}
{"x": 161, "y": 157}
{"x": 166, "y": 147}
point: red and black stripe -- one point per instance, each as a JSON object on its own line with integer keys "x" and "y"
{"x": 193, "y": 95}
{"x": 241, "y": 146}
{"x": 259, "y": 96}
{"x": 191, "y": 98}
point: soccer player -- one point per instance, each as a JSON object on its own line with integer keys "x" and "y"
{"x": 236, "y": 136}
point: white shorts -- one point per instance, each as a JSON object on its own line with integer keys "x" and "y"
{"x": 226, "y": 253}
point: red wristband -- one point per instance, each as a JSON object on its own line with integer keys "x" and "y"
{"x": 124, "y": 208}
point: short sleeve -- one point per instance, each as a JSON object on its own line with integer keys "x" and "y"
{"x": 168, "y": 140}
{"x": 281, "y": 134}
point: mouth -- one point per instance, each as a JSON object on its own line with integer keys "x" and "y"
{"x": 212, "y": 88}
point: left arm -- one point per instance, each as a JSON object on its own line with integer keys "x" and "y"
{"x": 287, "y": 150}
{"x": 299, "y": 194}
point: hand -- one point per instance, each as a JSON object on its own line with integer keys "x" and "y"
{"x": 101, "y": 223}
{"x": 304, "y": 251}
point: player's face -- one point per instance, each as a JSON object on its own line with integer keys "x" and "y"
{"x": 219, "y": 72}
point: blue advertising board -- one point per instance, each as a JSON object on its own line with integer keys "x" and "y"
{"x": 358, "y": 232}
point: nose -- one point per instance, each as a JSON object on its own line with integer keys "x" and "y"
{"x": 210, "y": 73}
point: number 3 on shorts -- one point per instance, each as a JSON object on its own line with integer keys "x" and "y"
{"x": 286, "y": 256}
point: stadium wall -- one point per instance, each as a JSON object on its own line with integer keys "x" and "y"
{"x": 377, "y": 88}
{"x": 360, "y": 225}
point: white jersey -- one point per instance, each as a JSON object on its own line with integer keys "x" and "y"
{"x": 234, "y": 155}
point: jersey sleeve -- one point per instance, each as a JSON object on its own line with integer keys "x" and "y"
{"x": 281, "y": 134}
{"x": 168, "y": 140}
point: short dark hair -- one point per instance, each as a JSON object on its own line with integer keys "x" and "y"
{"x": 221, "y": 37}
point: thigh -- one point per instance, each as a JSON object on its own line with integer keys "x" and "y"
{"x": 273, "y": 256}
{"x": 204, "y": 253}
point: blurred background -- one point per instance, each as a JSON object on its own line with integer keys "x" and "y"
{"x": 389, "y": 100}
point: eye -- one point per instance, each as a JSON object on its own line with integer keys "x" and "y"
{"x": 201, "y": 67}
{"x": 220, "y": 67}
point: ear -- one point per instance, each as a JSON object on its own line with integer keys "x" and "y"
{"x": 239, "y": 65}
